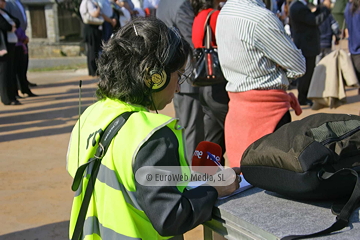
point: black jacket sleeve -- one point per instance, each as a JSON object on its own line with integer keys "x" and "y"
{"x": 184, "y": 21}
{"x": 170, "y": 211}
{"x": 301, "y": 13}
{"x": 4, "y": 25}
{"x": 16, "y": 20}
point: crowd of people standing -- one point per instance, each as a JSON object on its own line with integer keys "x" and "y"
{"x": 116, "y": 14}
{"x": 14, "y": 57}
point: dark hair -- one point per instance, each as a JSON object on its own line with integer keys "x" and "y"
{"x": 128, "y": 57}
{"x": 355, "y": 5}
{"x": 199, "y": 5}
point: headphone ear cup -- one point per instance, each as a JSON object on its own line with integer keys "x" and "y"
{"x": 158, "y": 81}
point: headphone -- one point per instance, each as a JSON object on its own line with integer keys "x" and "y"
{"x": 159, "y": 77}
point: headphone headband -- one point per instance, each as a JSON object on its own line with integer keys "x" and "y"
{"x": 175, "y": 39}
{"x": 159, "y": 77}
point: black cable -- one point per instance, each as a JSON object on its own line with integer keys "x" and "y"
{"x": 152, "y": 101}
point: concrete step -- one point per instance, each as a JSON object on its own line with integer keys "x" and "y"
{"x": 54, "y": 62}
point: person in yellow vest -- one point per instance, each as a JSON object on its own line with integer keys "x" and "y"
{"x": 140, "y": 69}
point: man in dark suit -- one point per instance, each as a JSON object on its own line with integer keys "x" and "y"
{"x": 306, "y": 35}
{"x": 179, "y": 14}
{"x": 15, "y": 8}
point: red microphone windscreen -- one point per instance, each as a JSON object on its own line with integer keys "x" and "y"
{"x": 201, "y": 158}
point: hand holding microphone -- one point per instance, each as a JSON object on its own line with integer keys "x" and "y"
{"x": 206, "y": 160}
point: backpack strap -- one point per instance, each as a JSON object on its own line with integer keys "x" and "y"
{"x": 93, "y": 166}
{"x": 342, "y": 220}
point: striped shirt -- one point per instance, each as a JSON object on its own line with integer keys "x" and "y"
{"x": 254, "y": 50}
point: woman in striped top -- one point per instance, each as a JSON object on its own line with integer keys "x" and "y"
{"x": 258, "y": 60}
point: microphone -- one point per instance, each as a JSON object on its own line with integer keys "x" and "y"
{"x": 206, "y": 157}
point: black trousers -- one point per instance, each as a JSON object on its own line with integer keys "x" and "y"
{"x": 7, "y": 83}
{"x": 27, "y": 62}
{"x": 106, "y": 31}
{"x": 189, "y": 111}
{"x": 20, "y": 69}
{"x": 92, "y": 36}
{"x": 93, "y": 50}
{"x": 304, "y": 81}
{"x": 214, "y": 100}
{"x": 355, "y": 58}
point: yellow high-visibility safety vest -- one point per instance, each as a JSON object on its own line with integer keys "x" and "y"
{"x": 115, "y": 212}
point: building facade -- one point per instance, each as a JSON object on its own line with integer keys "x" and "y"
{"x": 52, "y": 31}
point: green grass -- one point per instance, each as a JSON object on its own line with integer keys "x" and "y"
{"x": 56, "y": 68}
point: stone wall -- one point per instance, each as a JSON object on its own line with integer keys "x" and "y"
{"x": 52, "y": 24}
{"x": 38, "y": 49}
{"x": 50, "y": 46}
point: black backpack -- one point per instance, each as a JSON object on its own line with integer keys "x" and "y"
{"x": 316, "y": 158}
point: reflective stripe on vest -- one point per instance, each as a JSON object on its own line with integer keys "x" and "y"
{"x": 92, "y": 226}
{"x": 108, "y": 177}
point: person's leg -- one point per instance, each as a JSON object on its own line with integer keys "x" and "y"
{"x": 27, "y": 67}
{"x": 11, "y": 65}
{"x": 355, "y": 58}
{"x": 27, "y": 58}
{"x": 107, "y": 31}
{"x": 214, "y": 132}
{"x": 9, "y": 96}
{"x": 304, "y": 81}
{"x": 17, "y": 67}
{"x": 215, "y": 106}
{"x": 92, "y": 36}
{"x": 4, "y": 83}
{"x": 20, "y": 71}
{"x": 189, "y": 111}
{"x": 91, "y": 56}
